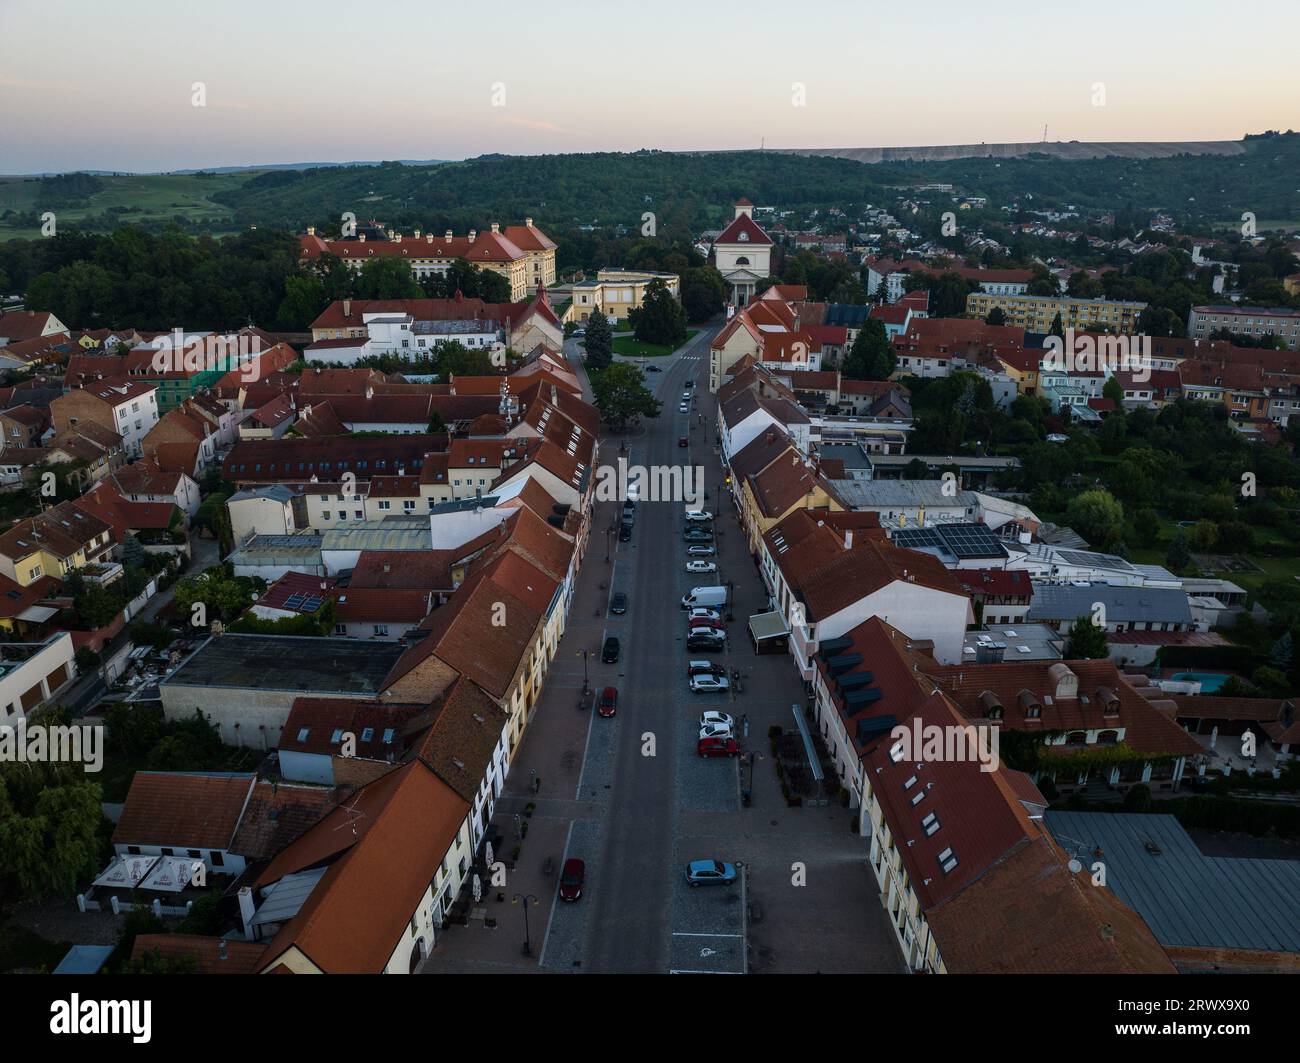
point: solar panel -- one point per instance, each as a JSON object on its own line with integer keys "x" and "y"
{"x": 971, "y": 540}
{"x": 312, "y": 604}
{"x": 294, "y": 601}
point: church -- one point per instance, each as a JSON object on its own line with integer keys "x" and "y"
{"x": 742, "y": 253}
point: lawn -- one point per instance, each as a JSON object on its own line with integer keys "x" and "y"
{"x": 631, "y": 347}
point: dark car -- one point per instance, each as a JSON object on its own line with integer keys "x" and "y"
{"x": 717, "y": 747}
{"x": 704, "y": 668}
{"x": 609, "y": 654}
{"x": 618, "y": 603}
{"x": 653, "y": 369}
{"x": 572, "y": 876}
{"x": 705, "y": 643}
{"x": 608, "y": 704}
{"x": 625, "y": 532}
{"x": 697, "y": 535}
{"x": 682, "y": 441}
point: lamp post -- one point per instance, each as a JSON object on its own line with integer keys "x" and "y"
{"x": 527, "y": 899}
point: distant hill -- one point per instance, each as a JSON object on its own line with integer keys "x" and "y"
{"x": 1069, "y": 151}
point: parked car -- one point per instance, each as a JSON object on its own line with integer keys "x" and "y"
{"x": 705, "y": 612}
{"x": 608, "y": 704}
{"x": 706, "y": 641}
{"x": 716, "y": 730}
{"x": 625, "y": 532}
{"x": 701, "y": 566}
{"x": 718, "y": 747}
{"x": 609, "y": 653}
{"x": 697, "y": 535}
{"x": 580, "y": 332}
{"x": 653, "y": 369}
{"x": 690, "y": 382}
{"x": 704, "y": 668}
{"x": 699, "y": 516}
{"x": 572, "y": 876}
{"x": 682, "y": 441}
{"x": 618, "y": 603}
{"x": 709, "y": 684}
{"x": 701, "y": 550}
{"x": 708, "y": 872}
{"x": 715, "y": 716}
{"x": 686, "y": 396}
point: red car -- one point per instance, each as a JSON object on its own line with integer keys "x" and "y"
{"x": 704, "y": 668}
{"x": 571, "y": 879}
{"x": 608, "y": 702}
{"x": 718, "y": 747}
{"x": 682, "y": 441}
{"x": 697, "y": 622}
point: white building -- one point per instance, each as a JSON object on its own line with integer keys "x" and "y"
{"x": 742, "y": 253}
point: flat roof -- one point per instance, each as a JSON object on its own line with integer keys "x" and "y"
{"x": 1020, "y": 642}
{"x": 1188, "y": 899}
{"x": 290, "y": 663}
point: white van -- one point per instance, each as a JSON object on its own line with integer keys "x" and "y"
{"x": 708, "y": 597}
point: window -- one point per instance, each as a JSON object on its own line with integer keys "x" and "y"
{"x": 384, "y": 505}
{"x": 381, "y": 629}
{"x": 930, "y": 824}
{"x": 947, "y": 860}
{"x": 340, "y": 629}
{"x": 303, "y": 733}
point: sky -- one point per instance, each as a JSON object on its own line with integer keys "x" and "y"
{"x": 112, "y": 86}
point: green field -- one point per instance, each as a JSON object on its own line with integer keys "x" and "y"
{"x": 630, "y": 347}
{"x": 145, "y": 200}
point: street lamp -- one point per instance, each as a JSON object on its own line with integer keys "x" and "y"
{"x": 527, "y": 899}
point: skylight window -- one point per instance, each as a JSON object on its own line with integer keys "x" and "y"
{"x": 930, "y": 824}
{"x": 302, "y": 734}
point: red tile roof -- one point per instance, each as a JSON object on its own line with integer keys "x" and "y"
{"x": 188, "y": 810}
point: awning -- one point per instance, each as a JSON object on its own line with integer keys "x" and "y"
{"x": 37, "y": 614}
{"x": 768, "y": 626}
{"x": 171, "y": 874}
{"x": 126, "y": 872}
{"x": 84, "y": 959}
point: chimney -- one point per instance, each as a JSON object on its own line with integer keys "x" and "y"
{"x": 417, "y": 234}
{"x": 221, "y": 950}
{"x": 528, "y": 222}
{"x": 362, "y": 238}
{"x": 496, "y": 227}
{"x": 472, "y": 233}
{"x": 246, "y": 910}
{"x": 848, "y": 538}
{"x": 428, "y": 238}
{"x": 447, "y": 236}
{"x": 347, "y": 307}
{"x": 311, "y": 230}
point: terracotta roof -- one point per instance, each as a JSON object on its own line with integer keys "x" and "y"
{"x": 1019, "y": 685}
{"x": 387, "y": 842}
{"x": 747, "y": 225}
{"x": 366, "y": 605}
{"x": 211, "y": 955}
{"x": 1028, "y": 914}
{"x": 485, "y": 247}
{"x": 278, "y": 813}
{"x": 995, "y": 582}
{"x": 187, "y": 810}
{"x": 317, "y": 725}
{"x": 303, "y": 585}
{"x": 19, "y": 325}
{"x": 425, "y": 570}
{"x": 460, "y": 743}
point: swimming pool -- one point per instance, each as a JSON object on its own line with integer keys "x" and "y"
{"x": 1210, "y": 681}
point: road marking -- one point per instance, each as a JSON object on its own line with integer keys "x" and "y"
{"x": 555, "y": 900}
{"x": 685, "y": 934}
{"x": 586, "y": 747}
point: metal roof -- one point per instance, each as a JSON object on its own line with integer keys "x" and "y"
{"x": 1187, "y": 898}
{"x": 1123, "y": 605}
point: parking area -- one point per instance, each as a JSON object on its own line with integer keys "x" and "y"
{"x": 708, "y": 928}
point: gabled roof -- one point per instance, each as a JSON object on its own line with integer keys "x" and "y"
{"x": 387, "y": 842}
{"x": 744, "y": 231}
{"x": 187, "y": 810}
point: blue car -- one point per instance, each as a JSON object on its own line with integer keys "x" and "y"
{"x": 702, "y": 872}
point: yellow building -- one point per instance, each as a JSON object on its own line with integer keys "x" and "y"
{"x": 522, "y": 254}
{"x": 614, "y": 292}
{"x": 1035, "y": 313}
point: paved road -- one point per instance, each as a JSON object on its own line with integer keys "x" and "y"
{"x": 630, "y": 911}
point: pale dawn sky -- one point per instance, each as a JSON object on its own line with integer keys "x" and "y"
{"x": 90, "y": 85}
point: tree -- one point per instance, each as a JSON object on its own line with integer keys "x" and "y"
{"x": 223, "y": 596}
{"x": 1114, "y": 391}
{"x": 388, "y": 278}
{"x": 872, "y": 356}
{"x": 436, "y": 424}
{"x": 599, "y": 342}
{"x": 995, "y": 317}
{"x": 1085, "y": 641}
{"x": 49, "y": 821}
{"x": 622, "y": 397}
{"x": 304, "y": 298}
{"x": 1179, "y": 556}
{"x": 1098, "y": 516}
{"x": 1058, "y": 326}
{"x": 660, "y": 317}
{"x": 1146, "y": 525}
{"x": 704, "y": 293}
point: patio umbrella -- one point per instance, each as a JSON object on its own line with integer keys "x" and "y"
{"x": 478, "y": 889}
{"x": 488, "y": 854}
